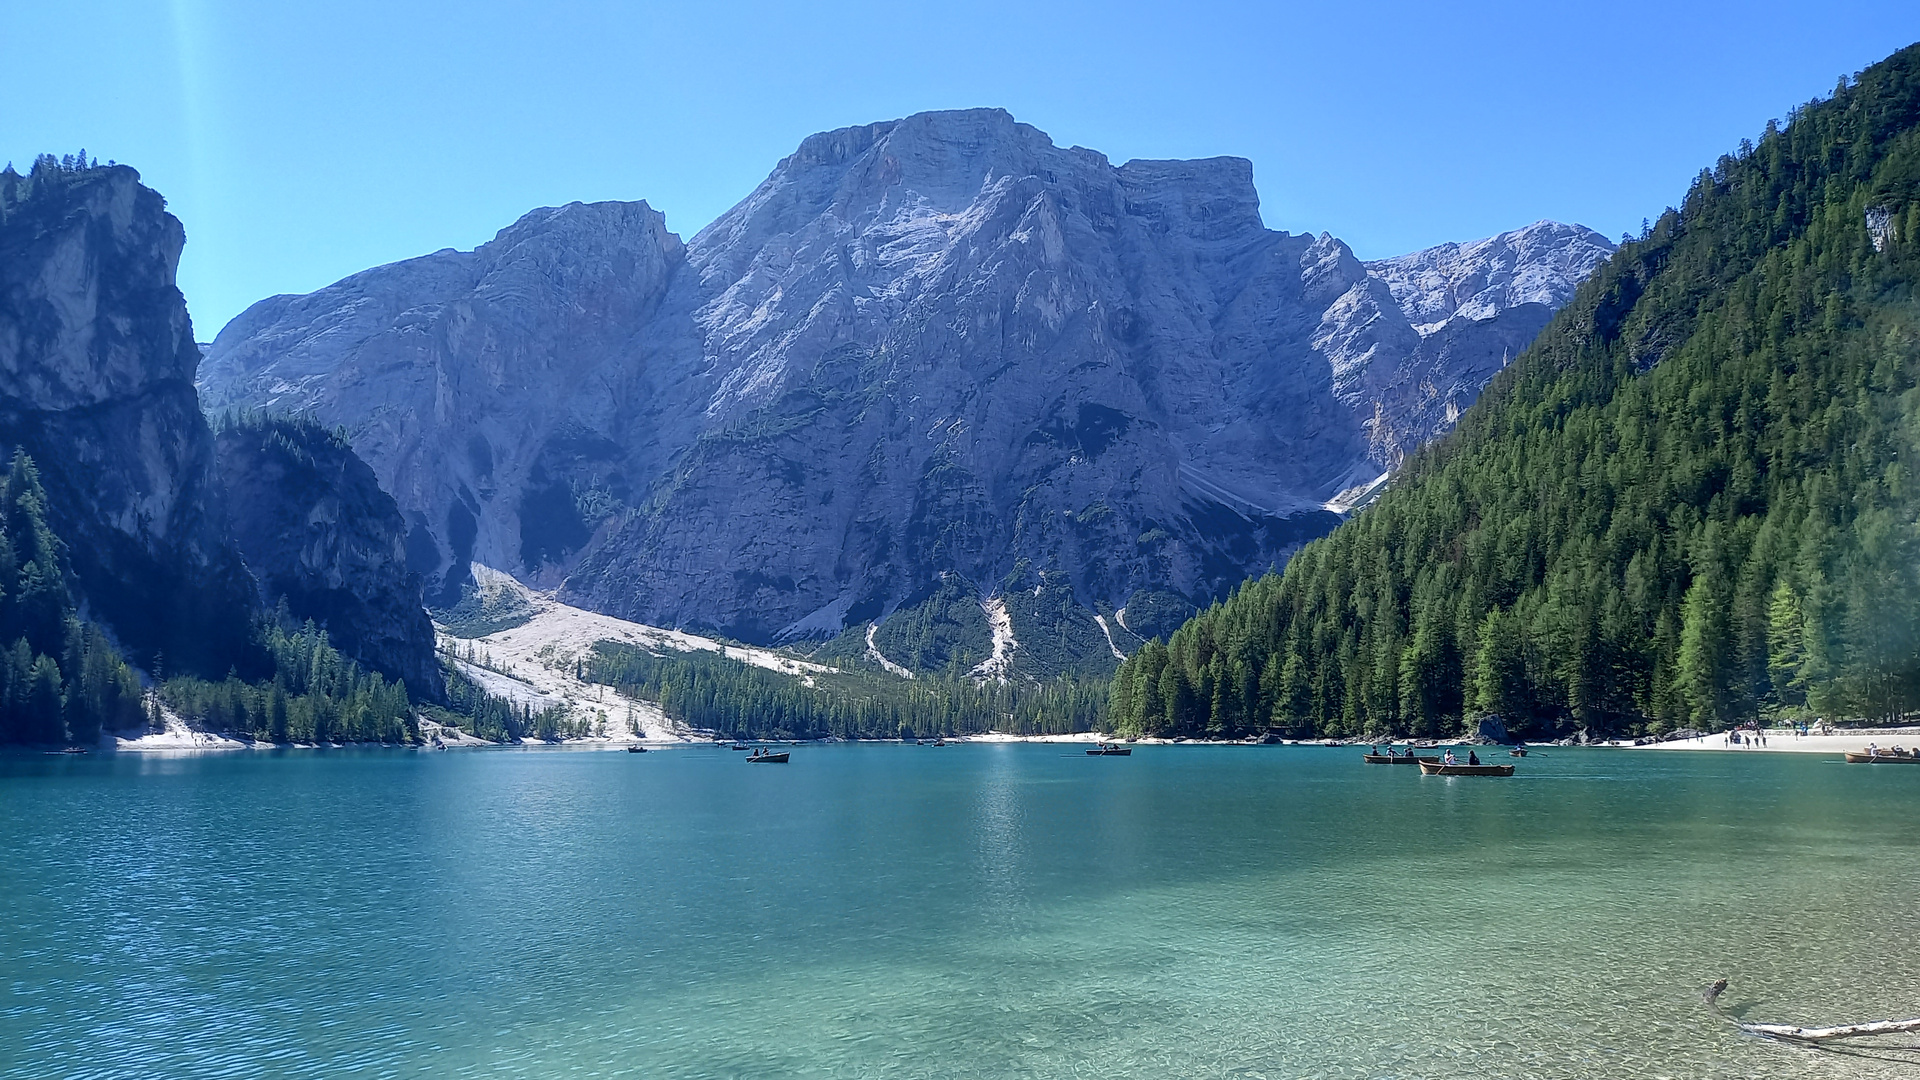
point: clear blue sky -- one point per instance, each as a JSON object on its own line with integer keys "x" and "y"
{"x": 301, "y": 142}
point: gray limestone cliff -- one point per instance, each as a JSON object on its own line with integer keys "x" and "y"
{"x": 320, "y": 535}
{"x": 934, "y": 346}
{"x": 492, "y": 390}
{"x": 1475, "y": 306}
{"x": 96, "y": 382}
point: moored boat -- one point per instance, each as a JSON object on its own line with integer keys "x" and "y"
{"x": 1883, "y": 758}
{"x": 763, "y": 757}
{"x": 1442, "y": 769}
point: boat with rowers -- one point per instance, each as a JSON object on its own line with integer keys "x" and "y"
{"x": 763, "y": 756}
{"x": 1391, "y": 758}
{"x": 1441, "y": 768}
{"x": 1109, "y": 750}
{"x": 1872, "y": 756}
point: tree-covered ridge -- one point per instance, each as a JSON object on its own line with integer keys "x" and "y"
{"x": 1691, "y": 501}
{"x": 60, "y": 679}
{"x": 316, "y": 695}
{"x": 63, "y": 681}
{"x": 717, "y": 694}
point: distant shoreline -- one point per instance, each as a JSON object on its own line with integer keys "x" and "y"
{"x": 178, "y": 738}
{"x": 1780, "y": 742}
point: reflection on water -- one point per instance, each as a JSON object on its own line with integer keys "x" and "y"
{"x": 999, "y": 860}
{"x": 982, "y": 910}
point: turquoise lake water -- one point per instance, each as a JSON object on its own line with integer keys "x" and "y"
{"x": 970, "y": 911}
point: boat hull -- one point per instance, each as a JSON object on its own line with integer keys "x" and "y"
{"x": 1465, "y": 770}
{"x": 1116, "y": 751}
{"x": 768, "y": 759}
{"x": 1398, "y": 759}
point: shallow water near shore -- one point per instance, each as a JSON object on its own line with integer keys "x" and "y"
{"x": 997, "y": 910}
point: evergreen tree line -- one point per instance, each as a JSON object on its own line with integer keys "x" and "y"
{"x": 482, "y": 715}
{"x": 1692, "y": 502}
{"x": 739, "y": 700}
{"x": 316, "y": 695}
{"x": 61, "y": 681}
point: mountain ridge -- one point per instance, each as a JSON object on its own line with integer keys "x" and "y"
{"x": 929, "y": 345}
{"x": 1685, "y": 507}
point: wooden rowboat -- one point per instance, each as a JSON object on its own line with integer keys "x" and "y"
{"x": 1396, "y": 759}
{"x": 1883, "y": 759}
{"x": 636, "y": 749}
{"x": 1518, "y": 751}
{"x": 1465, "y": 770}
{"x": 761, "y": 757}
{"x": 1108, "y": 750}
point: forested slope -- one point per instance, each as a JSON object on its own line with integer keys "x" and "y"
{"x": 1692, "y": 500}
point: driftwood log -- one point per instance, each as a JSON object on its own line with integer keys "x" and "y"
{"x": 1824, "y": 1034}
{"x": 1796, "y": 1033}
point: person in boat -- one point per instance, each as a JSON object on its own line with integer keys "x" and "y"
{"x": 1473, "y": 758}
{"x": 1449, "y": 759}
{"x": 1872, "y": 750}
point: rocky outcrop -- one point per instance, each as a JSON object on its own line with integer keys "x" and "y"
{"x": 494, "y": 391}
{"x": 1541, "y": 264}
{"x": 938, "y": 345}
{"x": 1475, "y": 306}
{"x": 319, "y": 534}
{"x": 97, "y": 363}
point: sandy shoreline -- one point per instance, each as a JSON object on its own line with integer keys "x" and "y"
{"x": 1782, "y": 742}
{"x": 178, "y": 736}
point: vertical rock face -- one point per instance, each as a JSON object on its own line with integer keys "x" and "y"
{"x": 938, "y": 345}
{"x": 1475, "y": 307}
{"x": 96, "y": 382}
{"x": 321, "y": 535}
{"x": 493, "y": 390}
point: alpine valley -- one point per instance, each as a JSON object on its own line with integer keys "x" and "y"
{"x": 938, "y": 396}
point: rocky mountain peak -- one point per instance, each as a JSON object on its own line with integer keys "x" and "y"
{"x": 73, "y": 221}
{"x": 97, "y": 361}
{"x": 939, "y": 348}
{"x": 1539, "y": 264}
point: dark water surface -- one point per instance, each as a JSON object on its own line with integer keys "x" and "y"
{"x": 971, "y": 911}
